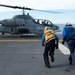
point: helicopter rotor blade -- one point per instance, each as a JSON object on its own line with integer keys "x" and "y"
{"x": 25, "y": 8}
{"x": 8, "y": 6}
{"x": 15, "y": 7}
{"x": 47, "y": 11}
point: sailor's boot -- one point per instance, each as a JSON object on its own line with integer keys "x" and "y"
{"x": 46, "y": 60}
{"x": 70, "y": 60}
{"x": 52, "y": 56}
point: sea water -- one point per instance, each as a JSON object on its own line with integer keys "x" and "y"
{"x": 61, "y": 26}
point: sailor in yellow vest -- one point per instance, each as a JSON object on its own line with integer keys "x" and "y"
{"x": 50, "y": 41}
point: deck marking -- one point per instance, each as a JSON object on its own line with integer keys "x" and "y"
{"x": 64, "y": 49}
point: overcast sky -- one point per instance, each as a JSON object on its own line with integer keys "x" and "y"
{"x": 53, "y": 5}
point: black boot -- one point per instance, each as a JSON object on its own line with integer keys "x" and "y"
{"x": 70, "y": 60}
{"x": 52, "y": 56}
{"x": 46, "y": 61}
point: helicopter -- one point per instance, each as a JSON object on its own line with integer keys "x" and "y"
{"x": 25, "y": 23}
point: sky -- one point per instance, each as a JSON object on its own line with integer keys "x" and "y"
{"x": 65, "y": 7}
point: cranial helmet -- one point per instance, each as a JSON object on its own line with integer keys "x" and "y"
{"x": 47, "y": 28}
{"x": 68, "y": 24}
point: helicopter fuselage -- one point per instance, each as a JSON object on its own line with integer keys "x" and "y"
{"x": 24, "y": 24}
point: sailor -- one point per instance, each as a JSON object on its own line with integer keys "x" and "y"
{"x": 49, "y": 40}
{"x": 68, "y": 35}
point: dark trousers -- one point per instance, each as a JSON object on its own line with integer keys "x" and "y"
{"x": 49, "y": 47}
{"x": 71, "y": 46}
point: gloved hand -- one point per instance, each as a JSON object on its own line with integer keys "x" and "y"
{"x": 63, "y": 42}
{"x": 43, "y": 44}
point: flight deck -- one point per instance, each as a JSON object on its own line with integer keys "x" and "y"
{"x": 25, "y": 57}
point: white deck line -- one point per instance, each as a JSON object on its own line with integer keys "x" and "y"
{"x": 64, "y": 49}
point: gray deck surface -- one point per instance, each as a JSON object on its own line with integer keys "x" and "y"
{"x": 26, "y": 58}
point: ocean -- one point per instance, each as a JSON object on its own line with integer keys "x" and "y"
{"x": 61, "y": 26}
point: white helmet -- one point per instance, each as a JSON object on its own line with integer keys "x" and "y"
{"x": 68, "y": 24}
{"x": 47, "y": 28}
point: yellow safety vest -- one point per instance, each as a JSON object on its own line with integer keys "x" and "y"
{"x": 49, "y": 35}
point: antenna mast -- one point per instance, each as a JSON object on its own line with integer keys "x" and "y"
{"x": 23, "y": 11}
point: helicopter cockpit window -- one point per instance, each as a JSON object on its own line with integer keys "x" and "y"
{"x": 49, "y": 23}
{"x": 37, "y": 22}
{"x": 44, "y": 22}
